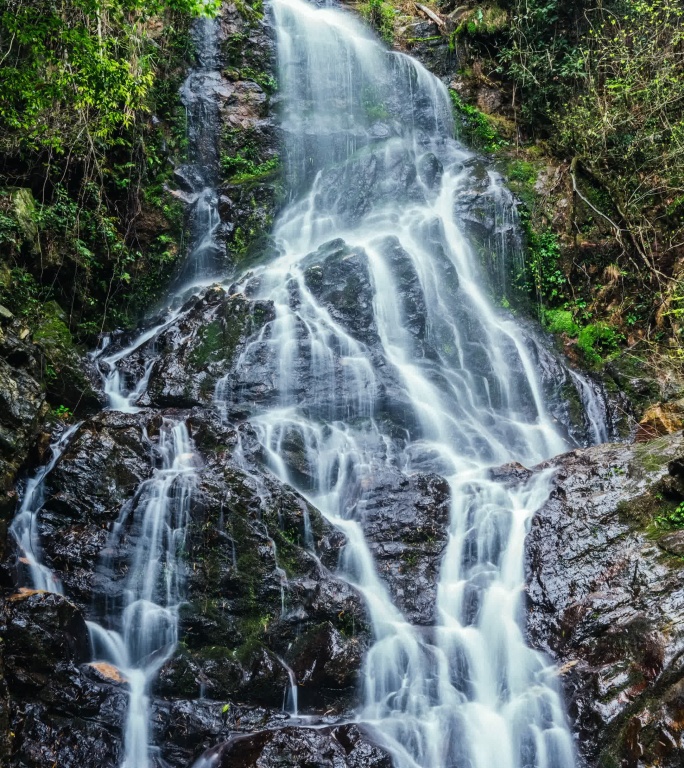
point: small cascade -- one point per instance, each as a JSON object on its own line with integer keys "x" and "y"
{"x": 505, "y": 245}
{"x": 24, "y": 528}
{"x": 123, "y": 394}
{"x": 594, "y": 403}
{"x": 139, "y": 633}
{"x": 290, "y": 699}
{"x": 282, "y": 576}
{"x": 201, "y": 94}
{"x": 205, "y": 262}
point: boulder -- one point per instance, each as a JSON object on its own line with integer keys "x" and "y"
{"x": 606, "y": 598}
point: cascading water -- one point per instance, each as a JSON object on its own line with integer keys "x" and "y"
{"x": 145, "y": 618}
{"x": 420, "y": 373}
{"x": 200, "y": 94}
{"x": 205, "y": 262}
{"x": 24, "y": 528}
{"x": 139, "y": 631}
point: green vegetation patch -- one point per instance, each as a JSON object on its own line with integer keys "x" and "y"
{"x": 380, "y": 15}
{"x": 478, "y": 130}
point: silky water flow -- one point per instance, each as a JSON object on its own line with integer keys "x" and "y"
{"x": 423, "y": 375}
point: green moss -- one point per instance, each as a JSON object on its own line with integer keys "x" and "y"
{"x": 210, "y": 347}
{"x": 243, "y": 171}
{"x": 560, "y": 321}
{"x": 523, "y": 171}
{"x": 52, "y": 330}
{"x": 652, "y": 456}
{"x": 478, "y": 130}
{"x": 598, "y": 340}
{"x": 250, "y": 12}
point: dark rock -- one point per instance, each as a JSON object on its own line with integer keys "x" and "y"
{"x": 45, "y": 739}
{"x": 510, "y": 474}
{"x": 345, "y": 746}
{"x": 22, "y": 409}
{"x": 61, "y": 713}
{"x": 41, "y": 630}
{"x": 326, "y": 665}
{"x": 673, "y": 543}
{"x": 193, "y": 354}
{"x": 338, "y": 277}
{"x": 101, "y": 470}
{"x": 606, "y": 599}
{"x": 255, "y": 584}
{"x": 405, "y": 519}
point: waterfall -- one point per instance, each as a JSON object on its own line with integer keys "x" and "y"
{"x": 200, "y": 94}
{"x": 139, "y": 632}
{"x": 146, "y": 622}
{"x": 24, "y": 528}
{"x": 386, "y": 351}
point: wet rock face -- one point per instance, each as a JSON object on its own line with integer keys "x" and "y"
{"x": 22, "y": 408}
{"x": 338, "y": 277}
{"x": 606, "y": 598}
{"x": 194, "y": 352}
{"x": 250, "y": 185}
{"x": 342, "y": 747}
{"x": 62, "y": 710}
{"x": 262, "y": 599}
{"x": 406, "y": 521}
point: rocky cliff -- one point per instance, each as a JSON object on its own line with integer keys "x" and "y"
{"x": 606, "y": 598}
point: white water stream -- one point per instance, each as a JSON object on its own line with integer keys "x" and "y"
{"x": 146, "y": 621}
{"x": 371, "y": 163}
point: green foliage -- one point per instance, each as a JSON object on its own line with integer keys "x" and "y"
{"x": 240, "y": 169}
{"x": 62, "y": 413}
{"x": 98, "y": 234}
{"x": 561, "y": 321}
{"x": 672, "y": 520}
{"x": 373, "y": 105}
{"x": 477, "y": 129}
{"x": 597, "y": 340}
{"x": 251, "y": 12}
{"x": 480, "y": 22}
{"x": 543, "y": 277}
{"x": 21, "y": 294}
{"x": 522, "y": 171}
{"x": 77, "y": 74}
{"x": 604, "y": 83}
{"x": 241, "y": 158}
{"x": 264, "y": 80}
{"x": 380, "y": 15}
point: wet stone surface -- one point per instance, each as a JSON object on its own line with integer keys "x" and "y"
{"x": 606, "y": 599}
